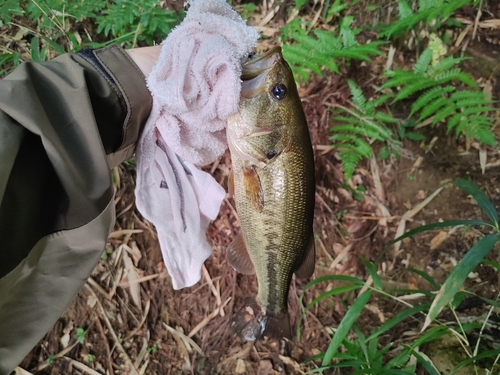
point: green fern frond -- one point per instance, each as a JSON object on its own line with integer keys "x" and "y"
{"x": 423, "y": 61}
{"x": 433, "y": 107}
{"x": 455, "y": 74}
{"x": 358, "y": 97}
{"x": 483, "y": 133}
{"x": 418, "y": 84}
{"x": 364, "y": 131}
{"x": 348, "y": 37}
{"x": 400, "y": 78}
{"x": 384, "y": 117}
{"x": 445, "y": 64}
{"x": 429, "y": 96}
{"x": 321, "y": 49}
{"x": 436, "y": 14}
{"x": 444, "y": 113}
{"x": 475, "y": 110}
{"x": 350, "y": 160}
{"x": 381, "y": 100}
{"x": 479, "y": 100}
{"x": 327, "y": 41}
{"x": 453, "y": 122}
{"x": 468, "y": 94}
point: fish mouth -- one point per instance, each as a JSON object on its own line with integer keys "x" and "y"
{"x": 255, "y": 71}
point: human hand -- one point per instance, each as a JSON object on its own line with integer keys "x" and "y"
{"x": 145, "y": 57}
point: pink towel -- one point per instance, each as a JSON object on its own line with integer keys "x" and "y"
{"x": 195, "y": 86}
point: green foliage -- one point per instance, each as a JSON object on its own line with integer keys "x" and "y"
{"x": 67, "y": 26}
{"x": 358, "y": 128}
{"x": 433, "y": 13}
{"x": 80, "y": 335}
{"x": 324, "y": 49}
{"x": 438, "y": 98}
{"x": 146, "y": 19}
{"x": 350, "y": 348}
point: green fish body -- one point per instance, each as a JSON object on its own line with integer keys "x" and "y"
{"x": 274, "y": 190}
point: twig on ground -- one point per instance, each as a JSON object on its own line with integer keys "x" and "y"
{"x": 207, "y": 319}
{"x": 118, "y": 344}
{"x": 109, "y": 363}
{"x": 82, "y": 367}
{"x": 187, "y": 340}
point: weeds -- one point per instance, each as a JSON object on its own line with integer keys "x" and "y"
{"x": 350, "y": 347}
{"x": 69, "y": 26}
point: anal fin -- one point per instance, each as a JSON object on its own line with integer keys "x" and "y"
{"x": 237, "y": 256}
{"x": 306, "y": 268}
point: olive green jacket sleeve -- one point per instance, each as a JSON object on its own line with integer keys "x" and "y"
{"x": 63, "y": 125}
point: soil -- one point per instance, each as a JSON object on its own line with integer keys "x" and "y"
{"x": 149, "y": 326}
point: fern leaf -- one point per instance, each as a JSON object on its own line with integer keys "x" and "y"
{"x": 381, "y": 100}
{"x": 420, "y": 83}
{"x": 445, "y": 64}
{"x": 380, "y": 129}
{"x": 350, "y": 161}
{"x": 399, "y": 78}
{"x": 461, "y": 125}
{"x": 402, "y": 25}
{"x": 328, "y": 41}
{"x": 357, "y": 95}
{"x": 433, "y": 107}
{"x": 455, "y": 74}
{"x": 454, "y": 121}
{"x": 423, "y": 61}
{"x": 483, "y": 134}
{"x": 346, "y": 120}
{"x": 474, "y": 102}
{"x": 348, "y": 38}
{"x": 352, "y": 142}
{"x": 353, "y": 129}
{"x": 430, "y": 95}
{"x": 444, "y": 113}
{"x": 404, "y": 9}
{"x": 475, "y": 110}
{"x": 384, "y": 117}
{"x": 468, "y": 94}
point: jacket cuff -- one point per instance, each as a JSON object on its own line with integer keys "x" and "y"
{"x": 127, "y": 80}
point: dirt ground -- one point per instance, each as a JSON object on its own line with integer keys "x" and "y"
{"x": 135, "y": 323}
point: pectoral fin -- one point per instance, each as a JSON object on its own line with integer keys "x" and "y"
{"x": 237, "y": 256}
{"x": 306, "y": 269}
{"x": 253, "y": 189}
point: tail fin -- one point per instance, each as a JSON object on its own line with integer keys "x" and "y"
{"x": 252, "y": 322}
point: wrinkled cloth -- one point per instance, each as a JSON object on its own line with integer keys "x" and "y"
{"x": 195, "y": 86}
{"x": 63, "y": 124}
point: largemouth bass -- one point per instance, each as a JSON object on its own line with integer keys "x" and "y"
{"x": 273, "y": 186}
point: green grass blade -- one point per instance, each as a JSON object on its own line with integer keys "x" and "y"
{"x": 449, "y": 223}
{"x": 349, "y": 279}
{"x": 426, "y": 277}
{"x": 345, "y": 325}
{"x": 425, "y": 362}
{"x": 481, "y": 198}
{"x": 398, "y": 318}
{"x": 373, "y": 273}
{"x": 453, "y": 283}
{"x": 485, "y": 354}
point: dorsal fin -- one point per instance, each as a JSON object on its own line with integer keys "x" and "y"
{"x": 237, "y": 256}
{"x": 306, "y": 268}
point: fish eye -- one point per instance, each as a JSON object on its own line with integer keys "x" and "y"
{"x": 279, "y": 91}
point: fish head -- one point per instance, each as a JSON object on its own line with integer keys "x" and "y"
{"x": 268, "y": 111}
